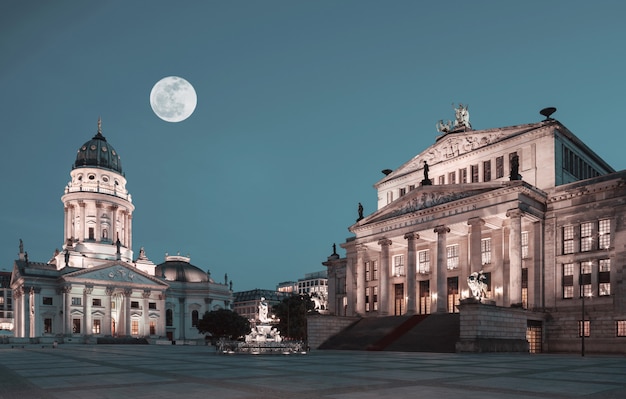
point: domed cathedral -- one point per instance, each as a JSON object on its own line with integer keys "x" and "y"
{"x": 94, "y": 289}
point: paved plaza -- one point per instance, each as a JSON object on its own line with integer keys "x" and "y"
{"x": 154, "y": 371}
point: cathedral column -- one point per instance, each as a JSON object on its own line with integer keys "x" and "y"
{"x": 17, "y": 312}
{"x": 441, "y": 305}
{"x": 383, "y": 290}
{"x": 181, "y": 302}
{"x": 127, "y": 294}
{"x": 67, "y": 223}
{"x": 114, "y": 235}
{"x": 83, "y": 222}
{"x": 107, "y": 329}
{"x": 475, "y": 235}
{"x": 145, "y": 313}
{"x": 515, "y": 257}
{"x": 98, "y": 233}
{"x": 35, "y": 326}
{"x": 129, "y": 231}
{"x": 26, "y": 311}
{"x": 360, "y": 279}
{"x": 411, "y": 284}
{"x": 87, "y": 309}
{"x": 161, "y": 327}
{"x": 67, "y": 316}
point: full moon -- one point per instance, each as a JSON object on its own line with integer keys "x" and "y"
{"x": 173, "y": 99}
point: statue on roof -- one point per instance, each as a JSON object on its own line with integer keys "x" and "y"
{"x": 462, "y": 117}
{"x": 360, "y": 211}
{"x": 444, "y": 127}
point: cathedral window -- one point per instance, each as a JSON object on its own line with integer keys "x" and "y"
{"x": 453, "y": 294}
{"x": 583, "y": 328}
{"x": 95, "y": 329}
{"x": 368, "y": 266}
{"x": 463, "y": 175}
{"x": 76, "y": 326}
{"x": 47, "y": 326}
{"x": 194, "y": 318}
{"x": 374, "y": 270}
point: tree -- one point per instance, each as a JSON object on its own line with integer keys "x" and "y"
{"x": 223, "y": 323}
{"x": 292, "y": 312}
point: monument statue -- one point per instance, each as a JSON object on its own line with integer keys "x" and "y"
{"x": 21, "y": 246}
{"x": 515, "y": 168}
{"x": 462, "y": 117}
{"x": 426, "y": 181}
{"x": 263, "y": 311}
{"x": 360, "y": 210}
{"x": 476, "y": 283}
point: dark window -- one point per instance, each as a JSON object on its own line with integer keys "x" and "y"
{"x": 134, "y": 305}
{"x": 96, "y": 302}
{"x": 474, "y": 169}
{"x": 152, "y": 305}
{"x": 499, "y": 167}
{"x": 169, "y": 317}
{"x": 194, "y": 318}
{"x": 487, "y": 170}
{"x": 47, "y": 300}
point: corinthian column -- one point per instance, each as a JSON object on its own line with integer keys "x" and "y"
{"x": 384, "y": 277}
{"x": 474, "y": 244}
{"x": 515, "y": 257}
{"x": 440, "y": 270}
{"x": 411, "y": 285}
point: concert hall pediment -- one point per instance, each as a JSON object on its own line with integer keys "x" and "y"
{"x": 426, "y": 197}
{"x": 118, "y": 273}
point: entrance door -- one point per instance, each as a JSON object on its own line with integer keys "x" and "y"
{"x": 398, "y": 308}
{"x": 533, "y": 336}
{"x": 453, "y": 294}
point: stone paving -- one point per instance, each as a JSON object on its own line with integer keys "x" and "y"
{"x": 155, "y": 372}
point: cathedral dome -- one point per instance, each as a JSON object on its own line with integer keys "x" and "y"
{"x": 175, "y": 269}
{"x": 98, "y": 153}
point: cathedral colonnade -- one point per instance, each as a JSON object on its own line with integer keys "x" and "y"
{"x": 76, "y": 310}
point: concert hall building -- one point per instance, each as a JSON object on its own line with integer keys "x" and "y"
{"x": 531, "y": 208}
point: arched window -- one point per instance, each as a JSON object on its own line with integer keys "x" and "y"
{"x": 169, "y": 318}
{"x": 194, "y": 318}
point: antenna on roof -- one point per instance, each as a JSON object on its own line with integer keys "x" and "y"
{"x": 547, "y": 112}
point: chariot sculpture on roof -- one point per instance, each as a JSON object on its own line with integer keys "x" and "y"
{"x": 461, "y": 120}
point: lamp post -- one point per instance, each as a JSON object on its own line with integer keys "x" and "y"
{"x": 582, "y": 327}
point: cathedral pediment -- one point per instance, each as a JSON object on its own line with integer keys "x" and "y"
{"x": 116, "y": 273}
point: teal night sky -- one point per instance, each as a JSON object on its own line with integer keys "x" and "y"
{"x": 301, "y": 104}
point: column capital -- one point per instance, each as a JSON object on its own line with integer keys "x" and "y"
{"x": 441, "y": 229}
{"x": 411, "y": 236}
{"x": 360, "y": 247}
{"x": 109, "y": 290}
{"x": 146, "y": 294}
{"x": 128, "y": 292}
{"x": 88, "y": 290}
{"x": 475, "y": 221}
{"x": 514, "y": 213}
{"x": 384, "y": 242}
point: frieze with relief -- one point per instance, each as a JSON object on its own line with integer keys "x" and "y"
{"x": 114, "y": 274}
{"x": 428, "y": 200}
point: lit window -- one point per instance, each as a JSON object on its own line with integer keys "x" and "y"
{"x": 152, "y": 327}
{"x": 375, "y": 299}
{"x": 367, "y": 299}
{"x": 96, "y": 326}
{"x": 524, "y": 245}
{"x": 423, "y": 261}
{"x": 621, "y": 328}
{"x": 568, "y": 240}
{"x": 452, "y": 256}
{"x": 368, "y": 265}
{"x": 374, "y": 270}
{"x": 398, "y": 265}
{"x": 584, "y": 326}
{"x": 604, "y": 234}
{"x": 76, "y": 326}
{"x": 134, "y": 327}
{"x": 485, "y": 250}
{"x": 586, "y": 237}
{"x": 604, "y": 277}
{"x": 47, "y": 326}
{"x": 568, "y": 280}
{"x": 585, "y": 278}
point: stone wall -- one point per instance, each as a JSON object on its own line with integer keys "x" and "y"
{"x": 322, "y": 327}
{"x": 489, "y": 328}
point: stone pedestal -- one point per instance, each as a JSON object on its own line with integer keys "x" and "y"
{"x": 486, "y": 327}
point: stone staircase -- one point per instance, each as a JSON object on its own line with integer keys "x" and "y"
{"x": 419, "y": 333}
